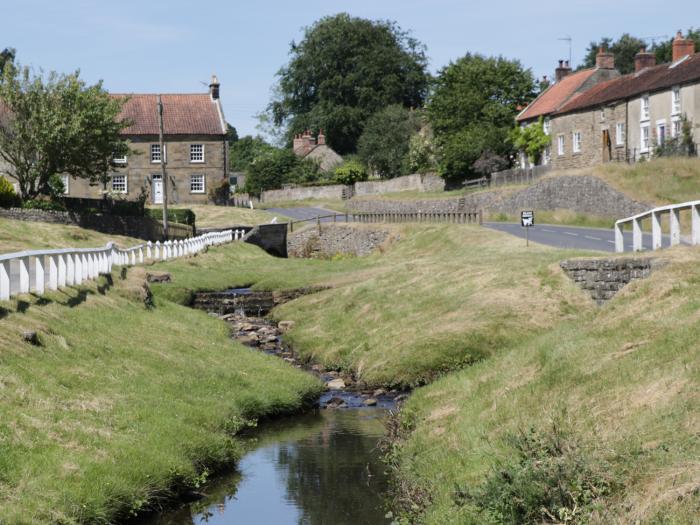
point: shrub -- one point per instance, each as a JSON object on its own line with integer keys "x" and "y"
{"x": 221, "y": 193}
{"x": 46, "y": 205}
{"x": 351, "y": 172}
{"x": 8, "y": 197}
{"x": 551, "y": 478}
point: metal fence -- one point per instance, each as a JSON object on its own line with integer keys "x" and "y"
{"x": 467, "y": 217}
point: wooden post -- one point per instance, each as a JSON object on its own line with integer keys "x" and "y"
{"x": 318, "y": 222}
{"x": 162, "y": 167}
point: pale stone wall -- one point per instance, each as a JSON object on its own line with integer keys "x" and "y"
{"x": 603, "y": 278}
{"x": 333, "y": 240}
{"x": 416, "y": 182}
{"x": 334, "y": 192}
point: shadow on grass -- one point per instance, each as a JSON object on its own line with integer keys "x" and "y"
{"x": 107, "y": 283}
{"x": 4, "y": 312}
{"x": 22, "y": 306}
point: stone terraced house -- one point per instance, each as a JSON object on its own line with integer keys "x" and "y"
{"x": 627, "y": 118}
{"x": 196, "y": 149}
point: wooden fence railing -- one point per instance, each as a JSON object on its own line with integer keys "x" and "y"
{"x": 469, "y": 217}
{"x": 36, "y": 271}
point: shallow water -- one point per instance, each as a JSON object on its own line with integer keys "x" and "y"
{"x": 317, "y": 468}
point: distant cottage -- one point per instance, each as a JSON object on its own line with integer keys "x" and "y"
{"x": 196, "y": 149}
{"x": 596, "y": 115}
{"x": 306, "y": 147}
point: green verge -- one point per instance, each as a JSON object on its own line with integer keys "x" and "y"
{"x": 123, "y": 406}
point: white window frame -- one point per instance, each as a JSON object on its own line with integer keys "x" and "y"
{"x": 676, "y": 127}
{"x": 676, "y": 100}
{"x": 126, "y": 183}
{"x": 620, "y": 134}
{"x": 66, "y": 184}
{"x": 576, "y": 142}
{"x": 661, "y": 124}
{"x": 165, "y": 153}
{"x": 561, "y": 145}
{"x": 119, "y": 160}
{"x": 204, "y": 182}
{"x": 644, "y": 148}
{"x": 192, "y": 153}
{"x": 546, "y": 125}
{"x": 644, "y": 108}
{"x": 547, "y": 157}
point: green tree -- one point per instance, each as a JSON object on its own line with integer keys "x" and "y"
{"x": 664, "y": 50}
{"x": 623, "y": 49}
{"x": 231, "y": 134}
{"x": 7, "y": 56}
{"x": 277, "y": 167}
{"x": 383, "y": 145}
{"x": 421, "y": 151}
{"x": 245, "y": 150}
{"x": 351, "y": 172}
{"x": 472, "y": 109}
{"x": 344, "y": 70}
{"x": 57, "y": 124}
{"x": 531, "y": 139}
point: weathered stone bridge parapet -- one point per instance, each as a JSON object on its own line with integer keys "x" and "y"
{"x": 603, "y": 278}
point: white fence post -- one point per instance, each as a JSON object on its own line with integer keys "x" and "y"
{"x": 655, "y": 230}
{"x": 62, "y": 270}
{"x": 637, "y": 235}
{"x": 695, "y": 231}
{"x": 4, "y": 280}
{"x": 52, "y": 271}
{"x": 37, "y": 272}
{"x": 675, "y": 221}
{"x": 70, "y": 269}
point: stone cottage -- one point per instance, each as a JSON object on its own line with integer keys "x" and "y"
{"x": 567, "y": 85}
{"x": 306, "y": 147}
{"x": 196, "y": 149}
{"x": 626, "y": 118}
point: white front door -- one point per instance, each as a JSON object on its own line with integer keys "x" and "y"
{"x": 157, "y": 189}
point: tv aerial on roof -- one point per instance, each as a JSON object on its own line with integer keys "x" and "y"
{"x": 568, "y": 39}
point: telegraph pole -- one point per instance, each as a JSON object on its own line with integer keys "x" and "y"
{"x": 162, "y": 168}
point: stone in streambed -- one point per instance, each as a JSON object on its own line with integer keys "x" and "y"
{"x": 285, "y": 326}
{"x": 335, "y": 402}
{"x": 378, "y": 392}
{"x": 370, "y": 402}
{"x": 336, "y": 384}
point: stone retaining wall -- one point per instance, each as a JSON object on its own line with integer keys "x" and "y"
{"x": 334, "y": 192}
{"x": 334, "y": 240}
{"x": 578, "y": 193}
{"x": 603, "y": 278}
{"x": 131, "y": 226}
{"x": 416, "y": 182}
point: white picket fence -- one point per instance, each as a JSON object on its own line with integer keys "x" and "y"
{"x": 37, "y": 271}
{"x": 673, "y": 211}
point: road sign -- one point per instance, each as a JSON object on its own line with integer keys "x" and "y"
{"x": 527, "y": 219}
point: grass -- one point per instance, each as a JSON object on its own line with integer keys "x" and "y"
{"x": 430, "y": 304}
{"x": 123, "y": 406}
{"x": 328, "y": 204}
{"x": 210, "y": 216}
{"x": 623, "y": 379}
{"x": 24, "y": 235}
{"x": 564, "y": 217}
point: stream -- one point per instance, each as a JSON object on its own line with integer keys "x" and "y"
{"x": 315, "y": 468}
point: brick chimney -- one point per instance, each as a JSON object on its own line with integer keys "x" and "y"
{"x": 298, "y": 143}
{"x": 682, "y": 46}
{"x": 562, "y": 71}
{"x": 604, "y": 59}
{"x": 214, "y": 87}
{"x": 321, "y": 140}
{"x": 644, "y": 59}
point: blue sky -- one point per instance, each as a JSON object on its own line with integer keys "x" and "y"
{"x": 174, "y": 46}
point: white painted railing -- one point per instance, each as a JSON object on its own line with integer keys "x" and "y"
{"x": 37, "y": 271}
{"x": 673, "y": 211}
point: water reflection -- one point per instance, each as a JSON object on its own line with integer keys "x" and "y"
{"x": 313, "y": 469}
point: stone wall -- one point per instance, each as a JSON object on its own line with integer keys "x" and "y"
{"x": 416, "y": 182}
{"x": 334, "y": 192}
{"x": 270, "y": 237}
{"x": 578, "y": 193}
{"x": 334, "y": 240}
{"x": 603, "y": 278}
{"x": 144, "y": 228}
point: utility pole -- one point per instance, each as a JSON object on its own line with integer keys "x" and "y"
{"x": 162, "y": 168}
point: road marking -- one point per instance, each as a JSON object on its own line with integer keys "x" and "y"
{"x": 549, "y": 231}
{"x": 572, "y": 234}
{"x": 593, "y": 238}
{"x": 611, "y": 242}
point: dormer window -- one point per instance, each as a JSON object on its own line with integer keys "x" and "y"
{"x": 676, "y": 101}
{"x": 644, "y": 114}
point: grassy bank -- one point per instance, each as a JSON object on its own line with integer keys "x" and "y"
{"x": 210, "y": 216}
{"x": 122, "y": 406}
{"x": 615, "y": 390}
{"x": 439, "y": 298}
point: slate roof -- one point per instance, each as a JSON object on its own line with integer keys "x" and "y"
{"x": 655, "y": 78}
{"x": 184, "y": 114}
{"x": 552, "y": 98}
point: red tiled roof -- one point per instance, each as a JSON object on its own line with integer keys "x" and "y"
{"x": 190, "y": 114}
{"x": 555, "y": 95}
{"x": 647, "y": 80}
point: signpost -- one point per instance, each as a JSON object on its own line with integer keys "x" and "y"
{"x": 527, "y": 220}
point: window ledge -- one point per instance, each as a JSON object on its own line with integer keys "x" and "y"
{"x": 197, "y": 162}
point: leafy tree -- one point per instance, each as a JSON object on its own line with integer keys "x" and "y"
{"x": 344, "y": 70}
{"x": 57, "y": 124}
{"x": 622, "y": 49}
{"x": 231, "y": 134}
{"x": 472, "y": 110}
{"x": 421, "y": 151}
{"x": 384, "y": 144}
{"x": 245, "y": 150}
{"x": 351, "y": 172}
{"x": 277, "y": 167}
{"x": 532, "y": 140}
{"x": 664, "y": 50}
{"x": 7, "y": 56}
{"x": 490, "y": 163}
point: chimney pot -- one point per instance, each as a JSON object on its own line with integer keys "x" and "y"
{"x": 644, "y": 59}
{"x": 682, "y": 47}
{"x": 562, "y": 71}
{"x": 604, "y": 59}
{"x": 214, "y": 87}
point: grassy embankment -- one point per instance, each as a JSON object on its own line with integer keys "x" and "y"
{"x": 210, "y": 216}
{"x": 121, "y": 405}
{"x": 550, "y": 404}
